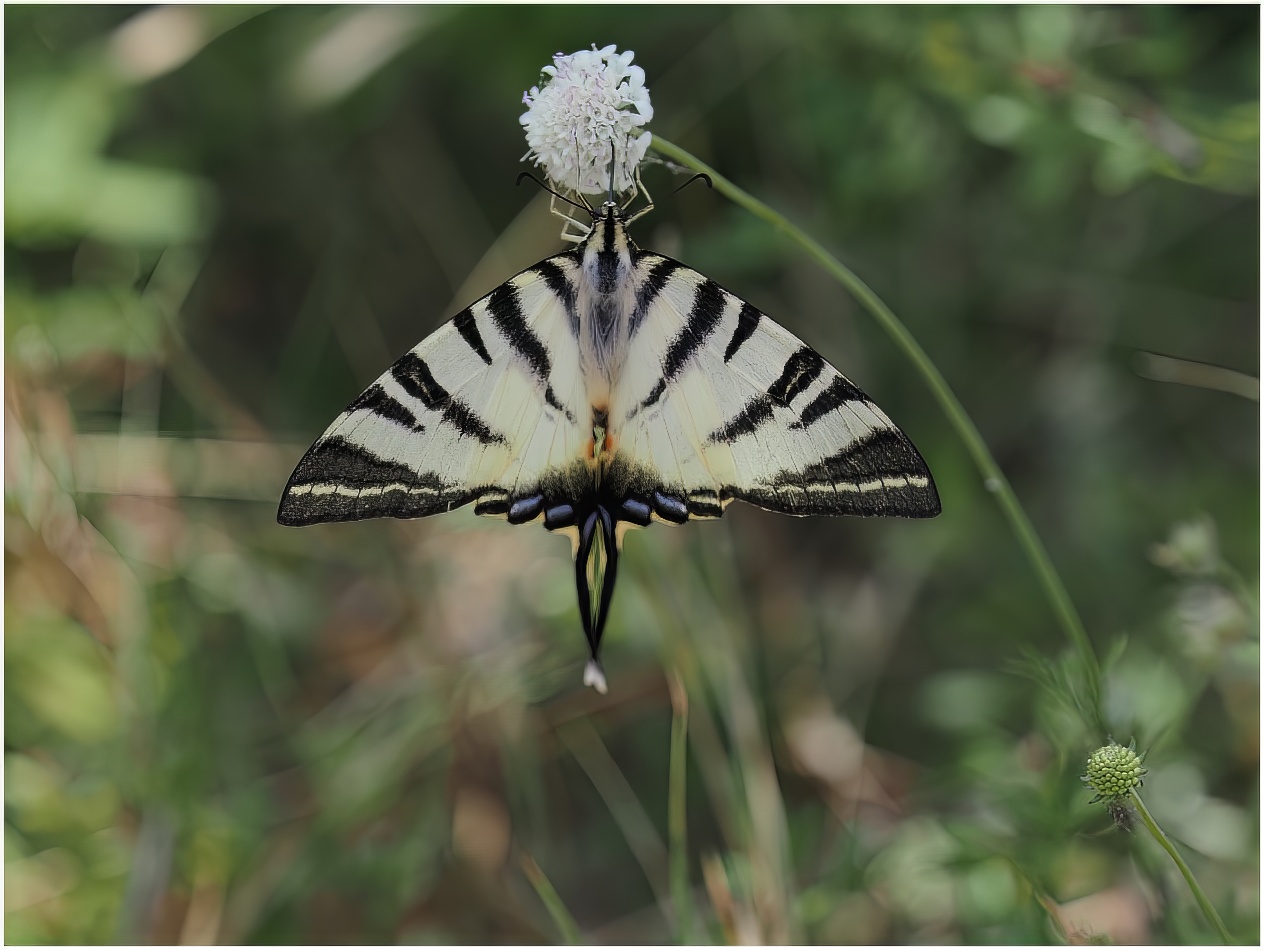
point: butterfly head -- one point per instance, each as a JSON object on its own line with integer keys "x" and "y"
{"x": 609, "y": 211}
{"x": 606, "y": 249}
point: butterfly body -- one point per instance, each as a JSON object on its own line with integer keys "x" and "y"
{"x": 607, "y": 388}
{"x": 604, "y": 304}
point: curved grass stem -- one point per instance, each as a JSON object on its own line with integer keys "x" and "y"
{"x": 562, "y": 917}
{"x": 677, "y": 840}
{"x": 993, "y": 478}
{"x": 1208, "y": 909}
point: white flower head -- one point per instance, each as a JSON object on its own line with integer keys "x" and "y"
{"x": 586, "y": 110}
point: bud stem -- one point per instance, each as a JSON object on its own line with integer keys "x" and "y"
{"x": 1158, "y": 834}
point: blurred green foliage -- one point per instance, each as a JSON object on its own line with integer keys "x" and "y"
{"x": 222, "y": 222}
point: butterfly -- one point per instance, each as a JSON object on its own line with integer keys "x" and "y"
{"x": 607, "y": 388}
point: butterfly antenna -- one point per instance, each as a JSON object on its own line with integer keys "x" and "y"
{"x": 700, "y": 175}
{"x": 582, "y": 207}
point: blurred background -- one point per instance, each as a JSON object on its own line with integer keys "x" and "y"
{"x": 222, "y": 222}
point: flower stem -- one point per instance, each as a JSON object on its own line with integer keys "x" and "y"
{"x": 1152, "y": 826}
{"x": 548, "y": 896}
{"x": 993, "y": 478}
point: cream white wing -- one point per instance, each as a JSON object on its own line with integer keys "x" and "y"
{"x": 484, "y": 410}
{"x": 718, "y": 402}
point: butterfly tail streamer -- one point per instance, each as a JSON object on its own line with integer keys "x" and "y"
{"x": 596, "y": 570}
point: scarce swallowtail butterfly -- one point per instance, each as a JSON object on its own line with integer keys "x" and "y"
{"x": 606, "y": 388}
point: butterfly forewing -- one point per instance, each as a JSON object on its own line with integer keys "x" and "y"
{"x": 481, "y": 410}
{"x": 725, "y": 404}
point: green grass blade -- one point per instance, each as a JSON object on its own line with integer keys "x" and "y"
{"x": 584, "y": 743}
{"x": 552, "y": 902}
{"x": 677, "y": 837}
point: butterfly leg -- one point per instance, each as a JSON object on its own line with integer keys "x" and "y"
{"x": 640, "y": 190}
{"x": 567, "y": 234}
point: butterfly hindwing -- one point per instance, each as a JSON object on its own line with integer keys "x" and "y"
{"x": 726, "y": 404}
{"x": 480, "y": 411}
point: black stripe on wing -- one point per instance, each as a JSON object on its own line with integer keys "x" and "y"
{"x": 800, "y": 371}
{"x": 340, "y": 481}
{"x": 468, "y": 328}
{"x": 552, "y": 274}
{"x": 755, "y": 414}
{"x": 381, "y": 403}
{"x": 704, "y": 503}
{"x": 704, "y": 317}
{"x": 650, "y": 288}
{"x": 506, "y": 312}
{"x": 882, "y": 474}
{"x": 412, "y": 373}
{"x": 838, "y": 393}
{"x": 747, "y": 322}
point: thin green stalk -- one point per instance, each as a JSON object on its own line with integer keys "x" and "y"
{"x": 584, "y": 743}
{"x": 993, "y": 478}
{"x": 1152, "y": 826}
{"x": 548, "y": 896}
{"x": 1049, "y": 906}
{"x": 677, "y": 840}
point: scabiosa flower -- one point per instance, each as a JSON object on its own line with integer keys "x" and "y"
{"x": 1113, "y": 771}
{"x": 587, "y": 109}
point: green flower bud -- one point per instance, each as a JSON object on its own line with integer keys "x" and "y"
{"x": 1113, "y": 771}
